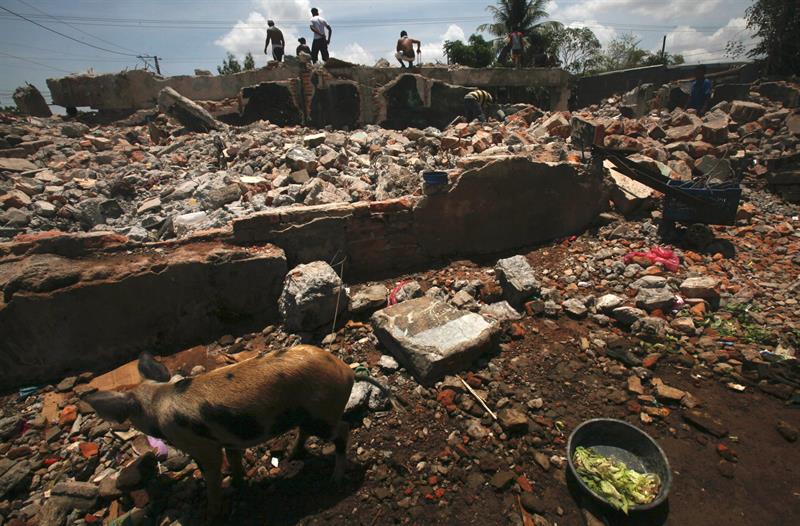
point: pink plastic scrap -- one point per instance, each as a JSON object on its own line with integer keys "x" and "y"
{"x": 393, "y": 295}
{"x": 665, "y": 256}
{"x": 158, "y": 445}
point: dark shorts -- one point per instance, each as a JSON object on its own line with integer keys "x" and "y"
{"x": 516, "y": 52}
{"x": 320, "y": 46}
{"x": 277, "y": 53}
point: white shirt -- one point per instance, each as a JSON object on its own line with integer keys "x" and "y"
{"x": 319, "y": 24}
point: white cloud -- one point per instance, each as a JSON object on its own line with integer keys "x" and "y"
{"x": 604, "y": 34}
{"x": 291, "y": 17}
{"x": 667, "y": 10}
{"x": 453, "y": 32}
{"x": 700, "y": 47}
{"x": 356, "y": 54}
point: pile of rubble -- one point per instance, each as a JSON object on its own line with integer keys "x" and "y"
{"x": 157, "y": 180}
{"x": 499, "y": 360}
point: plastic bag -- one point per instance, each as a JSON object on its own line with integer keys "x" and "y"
{"x": 664, "y": 256}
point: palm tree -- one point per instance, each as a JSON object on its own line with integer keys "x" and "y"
{"x": 521, "y": 15}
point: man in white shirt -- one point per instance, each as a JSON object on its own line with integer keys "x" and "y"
{"x": 320, "y": 45}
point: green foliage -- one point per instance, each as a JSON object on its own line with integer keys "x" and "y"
{"x": 624, "y": 52}
{"x": 577, "y": 48}
{"x": 526, "y": 17}
{"x": 229, "y": 66}
{"x": 777, "y": 25}
{"x": 741, "y": 325}
{"x": 249, "y": 61}
{"x": 476, "y": 54}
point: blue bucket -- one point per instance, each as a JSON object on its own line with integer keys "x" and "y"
{"x": 434, "y": 178}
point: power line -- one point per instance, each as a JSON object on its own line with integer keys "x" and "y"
{"x": 34, "y": 62}
{"x": 66, "y": 36}
{"x": 75, "y": 28}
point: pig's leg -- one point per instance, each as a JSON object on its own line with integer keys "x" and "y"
{"x": 210, "y": 459}
{"x": 340, "y": 441}
{"x": 235, "y": 461}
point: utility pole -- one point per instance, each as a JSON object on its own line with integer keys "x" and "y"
{"x": 663, "y": 51}
{"x": 158, "y": 68}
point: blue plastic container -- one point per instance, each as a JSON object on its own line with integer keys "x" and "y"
{"x": 434, "y": 177}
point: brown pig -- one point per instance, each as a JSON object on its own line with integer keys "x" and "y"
{"x": 239, "y": 406}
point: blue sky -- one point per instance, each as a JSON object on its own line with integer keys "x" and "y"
{"x": 192, "y": 34}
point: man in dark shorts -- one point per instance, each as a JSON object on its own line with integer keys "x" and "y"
{"x": 517, "y": 42}
{"x": 405, "y": 50}
{"x": 321, "y": 42}
{"x": 274, "y": 37}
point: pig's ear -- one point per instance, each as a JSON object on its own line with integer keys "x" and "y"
{"x": 150, "y": 369}
{"x": 111, "y": 405}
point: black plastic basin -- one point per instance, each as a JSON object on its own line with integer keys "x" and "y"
{"x": 626, "y": 443}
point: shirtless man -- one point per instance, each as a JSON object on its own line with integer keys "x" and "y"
{"x": 274, "y": 36}
{"x": 405, "y": 50}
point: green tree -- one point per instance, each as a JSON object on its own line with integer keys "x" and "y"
{"x": 229, "y": 66}
{"x": 249, "y": 61}
{"x": 477, "y": 53}
{"x": 777, "y": 26}
{"x": 622, "y": 53}
{"x": 577, "y": 49}
{"x": 525, "y": 16}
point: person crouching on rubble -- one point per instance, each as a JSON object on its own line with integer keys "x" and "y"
{"x": 475, "y": 103}
{"x": 405, "y": 50}
{"x": 303, "y": 52}
{"x": 700, "y": 96}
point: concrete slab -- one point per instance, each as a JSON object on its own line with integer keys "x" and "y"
{"x": 432, "y": 338}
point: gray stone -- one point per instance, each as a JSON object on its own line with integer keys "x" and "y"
{"x": 66, "y": 497}
{"x": 744, "y": 111}
{"x": 608, "y": 302}
{"x": 310, "y": 296}
{"x": 652, "y": 299}
{"x": 410, "y": 290}
{"x": 12, "y": 475}
{"x": 97, "y": 210}
{"x": 314, "y": 140}
{"x": 627, "y": 315}
{"x": 701, "y": 287}
{"x": 300, "y": 158}
{"x": 388, "y": 363}
{"x": 10, "y": 426}
{"x": 650, "y": 327}
{"x": 517, "y": 279}
{"x": 74, "y": 130}
{"x": 464, "y": 300}
{"x": 11, "y": 164}
{"x": 513, "y": 420}
{"x": 683, "y": 325}
{"x": 30, "y": 101}
{"x": 149, "y": 206}
{"x": 190, "y": 114}
{"x": 15, "y": 217}
{"x": 365, "y": 396}
{"x": 44, "y": 208}
{"x": 182, "y": 191}
{"x": 217, "y": 197}
{"x": 368, "y": 298}
{"x": 575, "y": 308}
{"x": 649, "y": 282}
{"x": 432, "y": 338}
{"x": 500, "y": 311}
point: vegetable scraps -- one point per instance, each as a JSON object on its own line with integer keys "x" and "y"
{"x": 610, "y": 478}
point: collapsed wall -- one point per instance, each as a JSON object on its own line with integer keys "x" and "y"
{"x": 65, "y": 312}
{"x": 508, "y": 203}
{"x": 78, "y": 302}
{"x": 337, "y": 94}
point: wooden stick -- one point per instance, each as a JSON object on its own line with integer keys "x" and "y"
{"x": 473, "y": 393}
